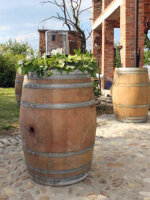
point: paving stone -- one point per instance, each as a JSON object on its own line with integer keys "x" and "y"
{"x": 29, "y": 185}
{"x": 117, "y": 182}
{"x": 43, "y": 190}
{"x": 25, "y": 177}
{"x": 8, "y": 191}
{"x": 115, "y": 164}
{"x": 18, "y": 184}
{"x": 27, "y": 196}
{"x": 145, "y": 194}
{"x": 44, "y": 198}
{"x": 4, "y": 197}
{"x": 37, "y": 192}
{"x": 147, "y": 180}
{"x": 87, "y": 181}
{"x": 120, "y": 167}
{"x": 96, "y": 197}
{"x": 70, "y": 191}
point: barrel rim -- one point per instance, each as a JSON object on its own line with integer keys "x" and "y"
{"x": 76, "y": 74}
{"x": 129, "y": 119}
{"x": 131, "y": 69}
{"x": 58, "y": 181}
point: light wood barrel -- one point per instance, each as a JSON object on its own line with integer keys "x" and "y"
{"x": 130, "y": 94}
{"x": 18, "y": 87}
{"x": 58, "y": 125}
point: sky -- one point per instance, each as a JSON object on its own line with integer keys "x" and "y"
{"x": 20, "y": 20}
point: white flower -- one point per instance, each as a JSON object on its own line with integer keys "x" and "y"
{"x": 56, "y": 51}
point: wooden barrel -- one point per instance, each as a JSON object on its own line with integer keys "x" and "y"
{"x": 130, "y": 94}
{"x": 18, "y": 87}
{"x": 149, "y": 96}
{"x": 58, "y": 125}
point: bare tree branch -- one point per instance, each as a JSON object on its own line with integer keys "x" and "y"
{"x": 70, "y": 11}
{"x": 85, "y": 10}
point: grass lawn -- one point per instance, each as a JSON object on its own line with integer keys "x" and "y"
{"x": 9, "y": 111}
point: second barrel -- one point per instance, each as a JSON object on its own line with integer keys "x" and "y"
{"x": 130, "y": 94}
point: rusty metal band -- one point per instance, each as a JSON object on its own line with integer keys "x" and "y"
{"x": 58, "y": 86}
{"x": 58, "y": 155}
{"x": 58, "y": 181}
{"x": 132, "y": 119}
{"x": 19, "y": 81}
{"x": 132, "y": 106}
{"x": 44, "y": 171}
{"x": 58, "y": 106}
{"x": 132, "y": 85}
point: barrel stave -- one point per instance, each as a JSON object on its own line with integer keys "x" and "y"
{"x": 18, "y": 87}
{"x": 58, "y": 125}
{"x": 130, "y": 94}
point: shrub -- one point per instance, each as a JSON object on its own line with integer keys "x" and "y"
{"x": 10, "y": 53}
{"x": 7, "y": 70}
{"x": 146, "y": 57}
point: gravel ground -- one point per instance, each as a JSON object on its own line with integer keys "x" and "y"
{"x": 120, "y": 168}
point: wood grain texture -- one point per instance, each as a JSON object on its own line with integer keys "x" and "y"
{"x": 18, "y": 87}
{"x": 131, "y": 94}
{"x": 49, "y": 135}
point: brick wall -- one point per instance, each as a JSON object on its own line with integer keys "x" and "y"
{"x": 97, "y": 47}
{"x": 73, "y": 41}
{"x": 42, "y": 43}
{"x": 106, "y": 3}
{"x": 147, "y": 15}
{"x": 127, "y": 32}
{"x": 107, "y": 51}
{"x": 97, "y": 8}
{"x": 123, "y": 17}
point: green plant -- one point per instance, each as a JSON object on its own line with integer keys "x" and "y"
{"x": 146, "y": 57}
{"x": 10, "y": 53}
{"x": 97, "y": 91}
{"x": 117, "y": 60}
{"x": 147, "y": 42}
{"x": 16, "y": 48}
{"x": 61, "y": 63}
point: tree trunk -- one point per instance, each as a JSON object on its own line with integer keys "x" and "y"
{"x": 83, "y": 43}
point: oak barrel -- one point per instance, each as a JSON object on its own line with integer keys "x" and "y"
{"x": 18, "y": 87}
{"x": 58, "y": 125}
{"x": 149, "y": 96}
{"x": 130, "y": 94}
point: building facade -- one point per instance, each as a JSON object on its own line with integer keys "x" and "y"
{"x": 110, "y": 14}
{"x": 56, "y": 40}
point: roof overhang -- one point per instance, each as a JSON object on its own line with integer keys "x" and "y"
{"x": 109, "y": 11}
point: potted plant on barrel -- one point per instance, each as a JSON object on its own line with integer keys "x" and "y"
{"x": 58, "y": 117}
